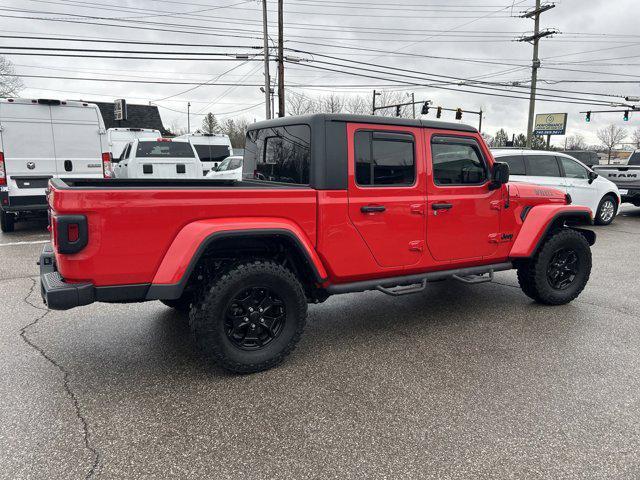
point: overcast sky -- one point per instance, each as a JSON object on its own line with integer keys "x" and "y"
{"x": 599, "y": 41}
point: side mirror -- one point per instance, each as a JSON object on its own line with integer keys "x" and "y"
{"x": 499, "y": 175}
{"x": 592, "y": 176}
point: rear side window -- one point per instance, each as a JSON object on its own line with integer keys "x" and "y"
{"x": 212, "y": 153}
{"x": 384, "y": 159}
{"x": 573, "y": 169}
{"x": 279, "y": 154}
{"x": 515, "y": 162}
{"x": 457, "y": 161}
{"x": 164, "y": 149}
{"x": 542, "y": 166}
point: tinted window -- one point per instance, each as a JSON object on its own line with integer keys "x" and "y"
{"x": 279, "y": 154}
{"x": 164, "y": 149}
{"x": 457, "y": 162}
{"x": 573, "y": 169}
{"x": 212, "y": 153}
{"x": 516, "y": 164}
{"x": 542, "y": 166}
{"x": 634, "y": 159}
{"x": 384, "y": 158}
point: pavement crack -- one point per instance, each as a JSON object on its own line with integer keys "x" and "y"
{"x": 65, "y": 380}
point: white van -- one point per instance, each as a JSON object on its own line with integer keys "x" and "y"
{"x": 158, "y": 158}
{"x": 41, "y": 139}
{"x": 118, "y": 138}
{"x": 229, "y": 169}
{"x": 212, "y": 148}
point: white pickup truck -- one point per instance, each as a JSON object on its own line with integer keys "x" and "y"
{"x": 626, "y": 177}
{"x": 158, "y": 158}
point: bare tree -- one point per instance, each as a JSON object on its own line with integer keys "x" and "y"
{"x": 10, "y": 83}
{"x": 610, "y": 137}
{"x": 298, "y": 104}
{"x": 331, "y": 103}
{"x": 501, "y": 138}
{"x": 358, "y": 105}
{"x": 635, "y": 138}
{"x": 488, "y": 139}
{"x": 390, "y": 98}
{"x": 576, "y": 142}
{"x": 236, "y": 130}
{"x": 176, "y": 129}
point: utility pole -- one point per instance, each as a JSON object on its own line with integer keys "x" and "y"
{"x": 267, "y": 79}
{"x": 375, "y": 94}
{"x": 280, "y": 59}
{"x": 535, "y": 64}
{"x": 413, "y": 101}
{"x": 188, "y": 117}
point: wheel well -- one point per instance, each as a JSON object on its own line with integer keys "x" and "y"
{"x": 571, "y": 220}
{"x": 224, "y": 251}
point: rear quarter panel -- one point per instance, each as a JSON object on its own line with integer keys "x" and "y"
{"x": 131, "y": 230}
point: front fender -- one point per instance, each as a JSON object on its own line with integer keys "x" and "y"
{"x": 540, "y": 220}
{"x": 192, "y": 240}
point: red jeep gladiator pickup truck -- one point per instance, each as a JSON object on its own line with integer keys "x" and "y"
{"x": 338, "y": 204}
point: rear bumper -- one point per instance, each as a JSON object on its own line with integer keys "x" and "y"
{"x": 58, "y": 294}
{"x": 13, "y": 203}
{"x": 632, "y": 195}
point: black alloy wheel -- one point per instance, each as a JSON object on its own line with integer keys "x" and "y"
{"x": 254, "y": 318}
{"x": 562, "y": 269}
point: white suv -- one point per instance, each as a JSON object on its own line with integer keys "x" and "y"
{"x": 555, "y": 169}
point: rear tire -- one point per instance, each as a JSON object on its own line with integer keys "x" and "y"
{"x": 7, "y": 221}
{"x": 607, "y": 209}
{"x": 251, "y": 317}
{"x": 560, "y": 269}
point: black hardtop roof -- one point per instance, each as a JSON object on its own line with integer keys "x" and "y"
{"x": 347, "y": 117}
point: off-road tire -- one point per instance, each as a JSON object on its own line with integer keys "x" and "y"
{"x": 532, "y": 275}
{"x": 208, "y": 310}
{"x": 600, "y": 210}
{"x": 182, "y": 304}
{"x": 7, "y": 221}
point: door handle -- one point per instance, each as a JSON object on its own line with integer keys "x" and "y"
{"x": 373, "y": 209}
{"x": 441, "y": 206}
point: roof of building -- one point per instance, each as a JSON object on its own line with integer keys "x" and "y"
{"x": 138, "y": 116}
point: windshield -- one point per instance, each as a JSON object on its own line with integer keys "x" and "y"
{"x": 224, "y": 165}
{"x": 164, "y": 149}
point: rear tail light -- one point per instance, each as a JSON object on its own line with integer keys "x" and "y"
{"x": 107, "y": 172}
{"x": 3, "y": 173}
{"x": 163, "y": 140}
{"x": 70, "y": 233}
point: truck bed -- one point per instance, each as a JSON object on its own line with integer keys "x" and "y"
{"x": 159, "y": 183}
{"x": 626, "y": 178}
{"x": 133, "y": 222}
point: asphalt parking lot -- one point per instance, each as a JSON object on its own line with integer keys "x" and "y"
{"x": 458, "y": 382}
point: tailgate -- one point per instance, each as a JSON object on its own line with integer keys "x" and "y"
{"x": 623, "y": 176}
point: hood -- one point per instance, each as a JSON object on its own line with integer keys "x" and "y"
{"x": 532, "y": 194}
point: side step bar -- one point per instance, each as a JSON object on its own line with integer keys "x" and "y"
{"x": 418, "y": 282}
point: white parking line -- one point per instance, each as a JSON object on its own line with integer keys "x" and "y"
{"x": 23, "y": 243}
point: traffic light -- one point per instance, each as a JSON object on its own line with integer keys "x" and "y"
{"x": 626, "y": 116}
{"x": 425, "y": 108}
{"x": 397, "y": 110}
{"x": 439, "y": 112}
{"x": 588, "y": 117}
{"x": 458, "y": 114}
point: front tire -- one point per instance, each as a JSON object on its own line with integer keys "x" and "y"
{"x": 7, "y": 221}
{"x": 559, "y": 271}
{"x": 606, "y": 211}
{"x": 251, "y": 317}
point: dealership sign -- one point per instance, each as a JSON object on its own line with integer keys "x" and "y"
{"x": 120, "y": 109}
{"x": 550, "y": 124}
